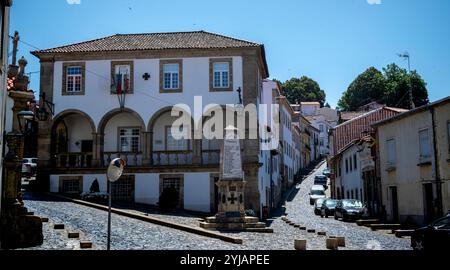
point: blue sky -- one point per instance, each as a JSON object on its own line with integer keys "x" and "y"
{"x": 331, "y": 41}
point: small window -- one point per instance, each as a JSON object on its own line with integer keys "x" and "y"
{"x": 129, "y": 140}
{"x": 321, "y": 128}
{"x": 424, "y": 144}
{"x": 175, "y": 143}
{"x": 171, "y": 76}
{"x": 73, "y": 79}
{"x": 221, "y": 75}
{"x": 354, "y": 162}
{"x": 346, "y": 165}
{"x": 391, "y": 152}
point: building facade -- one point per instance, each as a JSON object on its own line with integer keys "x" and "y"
{"x": 342, "y": 137}
{"x": 113, "y": 98}
{"x": 414, "y": 163}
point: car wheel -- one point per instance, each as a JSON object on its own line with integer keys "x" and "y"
{"x": 326, "y": 215}
{"x": 418, "y": 244}
{"x": 335, "y": 217}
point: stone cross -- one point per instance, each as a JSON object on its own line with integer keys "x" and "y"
{"x": 16, "y": 39}
{"x": 232, "y": 199}
{"x": 146, "y": 76}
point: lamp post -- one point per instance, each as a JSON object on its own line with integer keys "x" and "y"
{"x": 113, "y": 174}
{"x": 405, "y": 56}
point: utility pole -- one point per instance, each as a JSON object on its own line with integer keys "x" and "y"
{"x": 405, "y": 55}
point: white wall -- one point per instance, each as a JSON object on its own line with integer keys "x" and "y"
{"x": 146, "y": 99}
{"x": 352, "y": 179}
{"x": 147, "y": 188}
{"x": 87, "y": 182}
{"x": 197, "y": 188}
{"x": 78, "y": 129}
{"x": 310, "y": 109}
{"x": 111, "y": 130}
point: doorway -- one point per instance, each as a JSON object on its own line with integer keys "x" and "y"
{"x": 394, "y": 203}
{"x": 428, "y": 199}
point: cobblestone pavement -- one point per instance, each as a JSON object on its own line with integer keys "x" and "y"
{"x": 361, "y": 238}
{"x": 127, "y": 233}
{"x": 134, "y": 234}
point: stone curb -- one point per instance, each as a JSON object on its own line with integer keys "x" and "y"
{"x": 154, "y": 220}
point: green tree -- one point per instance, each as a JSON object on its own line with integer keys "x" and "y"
{"x": 367, "y": 87}
{"x": 327, "y": 105}
{"x": 398, "y": 84}
{"x": 302, "y": 90}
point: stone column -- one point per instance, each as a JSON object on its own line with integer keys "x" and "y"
{"x": 147, "y": 148}
{"x": 197, "y": 150}
{"x": 97, "y": 155}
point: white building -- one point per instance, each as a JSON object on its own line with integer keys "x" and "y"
{"x": 320, "y": 123}
{"x": 157, "y": 71}
{"x": 271, "y": 159}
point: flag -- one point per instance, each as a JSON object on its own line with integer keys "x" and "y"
{"x": 118, "y": 85}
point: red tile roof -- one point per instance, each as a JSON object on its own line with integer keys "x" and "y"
{"x": 153, "y": 41}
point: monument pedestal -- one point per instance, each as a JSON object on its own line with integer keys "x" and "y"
{"x": 231, "y": 186}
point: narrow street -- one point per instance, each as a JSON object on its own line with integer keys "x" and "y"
{"x": 300, "y": 211}
{"x": 129, "y": 233}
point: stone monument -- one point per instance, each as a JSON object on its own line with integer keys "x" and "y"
{"x": 231, "y": 186}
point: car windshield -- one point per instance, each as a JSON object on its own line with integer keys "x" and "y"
{"x": 352, "y": 203}
{"x": 443, "y": 224}
{"x": 34, "y": 160}
{"x": 331, "y": 203}
{"x": 24, "y": 160}
{"x": 317, "y": 192}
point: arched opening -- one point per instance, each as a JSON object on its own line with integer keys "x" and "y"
{"x": 122, "y": 133}
{"x": 72, "y": 136}
{"x": 170, "y": 145}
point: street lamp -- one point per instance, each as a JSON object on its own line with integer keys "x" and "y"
{"x": 405, "y": 56}
{"x": 23, "y": 118}
{"x": 113, "y": 174}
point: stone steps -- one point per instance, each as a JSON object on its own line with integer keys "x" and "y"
{"x": 401, "y": 233}
{"x": 375, "y": 227}
{"x": 362, "y": 222}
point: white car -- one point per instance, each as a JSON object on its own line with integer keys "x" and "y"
{"x": 317, "y": 192}
{"x": 29, "y": 166}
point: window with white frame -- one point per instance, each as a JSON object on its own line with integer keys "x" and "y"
{"x": 424, "y": 144}
{"x": 129, "y": 139}
{"x": 74, "y": 79}
{"x": 221, "y": 77}
{"x": 391, "y": 152}
{"x": 171, "y": 76}
{"x": 321, "y": 128}
{"x": 178, "y": 141}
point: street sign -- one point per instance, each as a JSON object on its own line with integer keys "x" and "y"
{"x": 373, "y": 141}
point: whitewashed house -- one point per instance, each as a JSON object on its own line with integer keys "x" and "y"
{"x": 157, "y": 71}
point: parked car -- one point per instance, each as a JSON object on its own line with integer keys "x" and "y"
{"x": 348, "y": 209}
{"x": 318, "y": 205}
{"x": 29, "y": 166}
{"x": 326, "y": 172}
{"x": 321, "y": 180}
{"x": 317, "y": 192}
{"x": 328, "y": 207}
{"x": 435, "y": 236}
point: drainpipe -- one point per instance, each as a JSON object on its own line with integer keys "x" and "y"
{"x": 436, "y": 164}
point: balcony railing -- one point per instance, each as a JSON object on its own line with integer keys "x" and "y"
{"x": 182, "y": 157}
{"x": 132, "y": 159}
{"x": 210, "y": 157}
{"x": 73, "y": 160}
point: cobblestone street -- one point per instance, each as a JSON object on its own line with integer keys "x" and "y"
{"x": 134, "y": 234}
